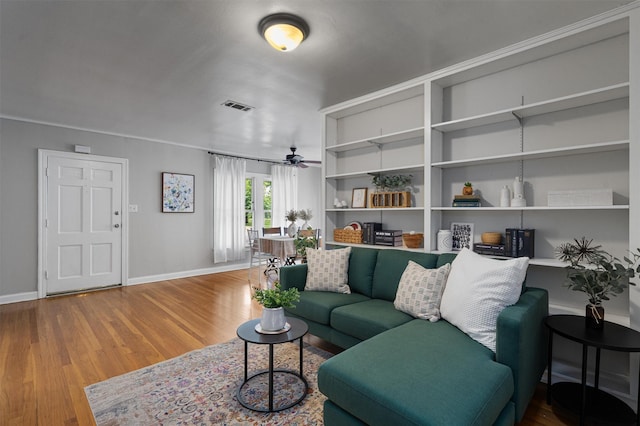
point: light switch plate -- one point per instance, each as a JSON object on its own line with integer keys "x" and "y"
{"x": 133, "y": 208}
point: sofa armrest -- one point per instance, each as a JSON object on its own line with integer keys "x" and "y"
{"x": 293, "y": 276}
{"x": 521, "y": 344}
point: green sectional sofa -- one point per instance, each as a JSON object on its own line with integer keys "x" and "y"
{"x": 405, "y": 371}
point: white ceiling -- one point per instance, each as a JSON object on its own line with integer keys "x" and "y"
{"x": 160, "y": 69}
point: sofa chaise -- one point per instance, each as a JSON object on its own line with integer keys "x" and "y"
{"x": 400, "y": 370}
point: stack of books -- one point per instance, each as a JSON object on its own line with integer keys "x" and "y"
{"x": 389, "y": 238}
{"x": 466, "y": 201}
{"x": 519, "y": 242}
{"x": 369, "y": 232}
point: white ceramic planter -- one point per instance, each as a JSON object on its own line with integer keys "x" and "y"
{"x": 272, "y": 319}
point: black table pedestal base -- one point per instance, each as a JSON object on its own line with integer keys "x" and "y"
{"x": 289, "y": 390}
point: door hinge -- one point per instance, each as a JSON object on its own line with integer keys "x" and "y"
{"x": 46, "y": 275}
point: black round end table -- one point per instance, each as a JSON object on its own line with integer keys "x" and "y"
{"x": 589, "y": 401}
{"x": 248, "y": 333}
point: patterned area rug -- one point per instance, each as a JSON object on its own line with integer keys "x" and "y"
{"x": 200, "y": 388}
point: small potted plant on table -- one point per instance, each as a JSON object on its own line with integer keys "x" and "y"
{"x": 273, "y": 301}
{"x": 597, "y": 273}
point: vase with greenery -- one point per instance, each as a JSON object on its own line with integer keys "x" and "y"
{"x": 391, "y": 182}
{"x": 597, "y": 273}
{"x": 305, "y": 215}
{"x": 273, "y": 301}
{"x": 291, "y": 216}
{"x": 467, "y": 189}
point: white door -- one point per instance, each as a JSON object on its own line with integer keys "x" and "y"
{"x": 83, "y": 224}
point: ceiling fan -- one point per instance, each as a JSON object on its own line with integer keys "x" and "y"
{"x": 297, "y": 160}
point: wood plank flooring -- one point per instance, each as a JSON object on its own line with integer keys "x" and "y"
{"x": 50, "y": 349}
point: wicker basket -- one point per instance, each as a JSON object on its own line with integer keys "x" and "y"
{"x": 413, "y": 240}
{"x": 347, "y": 236}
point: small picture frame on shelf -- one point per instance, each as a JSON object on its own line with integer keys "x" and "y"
{"x": 359, "y": 198}
{"x": 461, "y": 236}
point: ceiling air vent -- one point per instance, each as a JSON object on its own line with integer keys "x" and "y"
{"x": 237, "y": 105}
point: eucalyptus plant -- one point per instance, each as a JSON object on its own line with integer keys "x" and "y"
{"x": 276, "y": 297}
{"x": 595, "y": 272}
{"x": 291, "y": 215}
{"x": 305, "y": 214}
{"x": 390, "y": 182}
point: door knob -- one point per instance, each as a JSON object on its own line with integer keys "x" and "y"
{"x": 116, "y": 225}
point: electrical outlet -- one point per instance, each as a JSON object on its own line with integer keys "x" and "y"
{"x": 133, "y": 208}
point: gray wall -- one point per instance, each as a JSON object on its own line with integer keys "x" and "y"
{"x": 158, "y": 243}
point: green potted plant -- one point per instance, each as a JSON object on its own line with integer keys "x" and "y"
{"x": 467, "y": 189}
{"x": 302, "y": 242}
{"x": 597, "y": 273}
{"x": 390, "y": 182}
{"x": 273, "y": 301}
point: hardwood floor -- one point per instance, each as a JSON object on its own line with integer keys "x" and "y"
{"x": 50, "y": 349}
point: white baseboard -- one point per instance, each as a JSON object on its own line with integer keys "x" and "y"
{"x": 185, "y": 274}
{"x": 18, "y": 297}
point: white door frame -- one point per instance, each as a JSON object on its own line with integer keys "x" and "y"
{"x": 43, "y": 159}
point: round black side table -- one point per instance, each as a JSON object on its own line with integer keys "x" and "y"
{"x": 248, "y": 333}
{"x": 589, "y": 401}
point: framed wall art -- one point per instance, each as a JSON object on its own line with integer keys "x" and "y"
{"x": 178, "y": 193}
{"x": 359, "y": 198}
{"x": 461, "y": 236}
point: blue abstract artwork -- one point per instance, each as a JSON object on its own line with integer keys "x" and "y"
{"x": 177, "y": 193}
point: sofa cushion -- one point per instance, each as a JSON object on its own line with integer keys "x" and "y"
{"x": 420, "y": 291}
{"x": 328, "y": 270}
{"x": 362, "y": 263}
{"x": 366, "y": 319}
{"x": 389, "y": 268}
{"x": 317, "y": 305}
{"x": 478, "y": 289}
{"x": 418, "y": 373}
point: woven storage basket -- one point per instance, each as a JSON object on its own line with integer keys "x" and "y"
{"x": 347, "y": 236}
{"x": 412, "y": 240}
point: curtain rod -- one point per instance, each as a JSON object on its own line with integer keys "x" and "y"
{"x": 243, "y": 158}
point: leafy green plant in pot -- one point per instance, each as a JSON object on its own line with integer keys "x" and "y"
{"x": 302, "y": 243}
{"x": 597, "y": 273}
{"x": 274, "y": 300}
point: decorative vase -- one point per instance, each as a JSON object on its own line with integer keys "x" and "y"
{"x": 272, "y": 319}
{"x": 444, "y": 240}
{"x": 594, "y": 316}
{"x": 292, "y": 229}
{"x": 305, "y": 226}
{"x": 505, "y": 197}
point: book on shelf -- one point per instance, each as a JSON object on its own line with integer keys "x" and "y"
{"x": 389, "y": 233}
{"x": 368, "y": 232}
{"x": 466, "y": 204}
{"x": 489, "y": 249}
{"x": 389, "y": 241}
{"x": 519, "y": 242}
{"x": 466, "y": 197}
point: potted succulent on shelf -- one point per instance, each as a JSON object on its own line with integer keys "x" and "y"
{"x": 273, "y": 301}
{"x": 467, "y": 189}
{"x": 597, "y": 273}
{"x": 291, "y": 216}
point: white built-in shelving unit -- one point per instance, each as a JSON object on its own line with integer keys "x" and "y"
{"x": 560, "y": 111}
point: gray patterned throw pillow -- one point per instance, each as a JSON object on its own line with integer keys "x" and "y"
{"x": 328, "y": 270}
{"x": 420, "y": 291}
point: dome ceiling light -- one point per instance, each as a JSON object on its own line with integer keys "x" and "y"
{"x": 283, "y": 31}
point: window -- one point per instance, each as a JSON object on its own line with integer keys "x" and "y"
{"x": 257, "y": 204}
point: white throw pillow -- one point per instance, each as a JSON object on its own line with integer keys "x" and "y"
{"x": 420, "y": 290}
{"x": 478, "y": 289}
{"x": 328, "y": 270}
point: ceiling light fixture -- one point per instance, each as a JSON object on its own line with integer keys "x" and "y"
{"x": 283, "y": 31}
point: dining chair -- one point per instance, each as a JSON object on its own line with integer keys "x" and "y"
{"x": 272, "y": 262}
{"x": 257, "y": 253}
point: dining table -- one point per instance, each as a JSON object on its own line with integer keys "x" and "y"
{"x": 281, "y": 247}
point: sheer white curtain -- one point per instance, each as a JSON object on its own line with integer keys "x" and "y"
{"x": 228, "y": 209}
{"x": 284, "y": 182}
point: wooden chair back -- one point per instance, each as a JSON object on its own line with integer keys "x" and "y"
{"x": 271, "y": 231}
